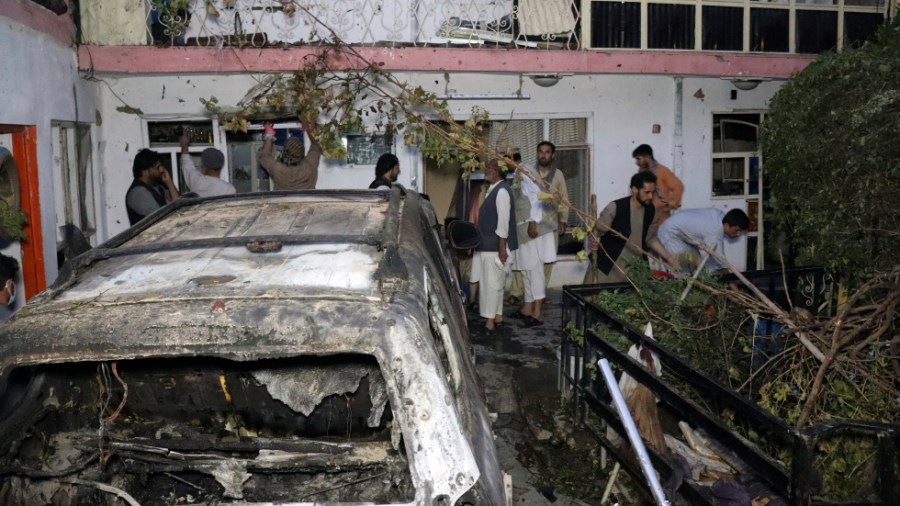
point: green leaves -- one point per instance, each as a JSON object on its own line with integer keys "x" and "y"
{"x": 832, "y": 158}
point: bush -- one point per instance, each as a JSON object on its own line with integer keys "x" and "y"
{"x": 832, "y": 148}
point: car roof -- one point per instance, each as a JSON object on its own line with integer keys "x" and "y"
{"x": 332, "y": 256}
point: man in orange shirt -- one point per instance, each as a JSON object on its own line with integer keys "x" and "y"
{"x": 669, "y": 188}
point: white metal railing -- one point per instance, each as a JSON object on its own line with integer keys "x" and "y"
{"x": 544, "y": 24}
{"x": 522, "y": 23}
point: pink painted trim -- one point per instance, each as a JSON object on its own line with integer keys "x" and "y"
{"x": 146, "y": 59}
{"x": 40, "y": 19}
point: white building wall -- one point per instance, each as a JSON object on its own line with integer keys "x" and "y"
{"x": 622, "y": 111}
{"x": 39, "y": 84}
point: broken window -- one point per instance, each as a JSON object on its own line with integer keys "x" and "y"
{"x": 316, "y": 429}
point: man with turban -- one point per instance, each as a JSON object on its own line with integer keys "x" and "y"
{"x": 293, "y": 171}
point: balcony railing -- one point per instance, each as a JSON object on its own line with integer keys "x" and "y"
{"x": 776, "y": 26}
{"x": 475, "y": 23}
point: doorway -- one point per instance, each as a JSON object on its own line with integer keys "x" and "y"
{"x": 20, "y": 182}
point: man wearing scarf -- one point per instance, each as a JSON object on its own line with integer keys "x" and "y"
{"x": 293, "y": 171}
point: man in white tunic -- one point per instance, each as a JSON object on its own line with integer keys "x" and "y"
{"x": 496, "y": 228}
{"x": 549, "y": 223}
{"x": 533, "y": 250}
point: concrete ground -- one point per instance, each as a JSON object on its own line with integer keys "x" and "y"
{"x": 518, "y": 366}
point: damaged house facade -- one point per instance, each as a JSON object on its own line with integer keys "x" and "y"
{"x": 87, "y": 84}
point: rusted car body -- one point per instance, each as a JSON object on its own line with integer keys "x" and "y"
{"x": 275, "y": 348}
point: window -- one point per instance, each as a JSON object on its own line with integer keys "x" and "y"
{"x": 573, "y": 159}
{"x": 735, "y": 161}
{"x": 73, "y": 182}
{"x": 722, "y": 28}
{"x": 758, "y": 25}
{"x": 243, "y": 148}
{"x": 163, "y": 136}
{"x": 366, "y": 149}
{"x": 737, "y": 173}
{"x": 670, "y": 26}
{"x": 859, "y": 26}
{"x": 616, "y": 24}
{"x": 769, "y": 30}
{"x": 816, "y": 31}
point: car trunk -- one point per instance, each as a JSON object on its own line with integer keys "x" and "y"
{"x": 174, "y": 431}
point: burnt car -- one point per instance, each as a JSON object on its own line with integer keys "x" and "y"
{"x": 297, "y": 347}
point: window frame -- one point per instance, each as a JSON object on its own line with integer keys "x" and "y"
{"x": 839, "y": 7}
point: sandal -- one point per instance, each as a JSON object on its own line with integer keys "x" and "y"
{"x": 519, "y": 315}
{"x": 512, "y": 300}
{"x": 533, "y": 322}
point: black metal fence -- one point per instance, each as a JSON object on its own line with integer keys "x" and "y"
{"x": 795, "y": 482}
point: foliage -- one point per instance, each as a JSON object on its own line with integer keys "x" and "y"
{"x": 833, "y": 158}
{"x": 718, "y": 335}
{"x": 707, "y": 330}
{"x": 12, "y": 222}
{"x": 331, "y": 103}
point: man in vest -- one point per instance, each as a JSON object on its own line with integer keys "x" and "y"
{"x": 630, "y": 229}
{"x": 152, "y": 187}
{"x": 497, "y": 230}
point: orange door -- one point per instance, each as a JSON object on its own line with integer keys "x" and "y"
{"x": 24, "y": 150}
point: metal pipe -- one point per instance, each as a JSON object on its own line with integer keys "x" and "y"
{"x": 631, "y": 429}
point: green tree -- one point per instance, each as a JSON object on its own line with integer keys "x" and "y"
{"x": 832, "y": 147}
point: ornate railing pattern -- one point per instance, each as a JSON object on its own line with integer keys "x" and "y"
{"x": 547, "y": 24}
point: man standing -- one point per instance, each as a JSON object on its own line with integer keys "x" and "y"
{"x": 294, "y": 171}
{"x": 550, "y": 180}
{"x": 681, "y": 234}
{"x": 145, "y": 194}
{"x": 497, "y": 230}
{"x": 209, "y": 183}
{"x": 536, "y": 244}
{"x": 630, "y": 229}
{"x": 9, "y": 268}
{"x": 669, "y": 188}
{"x": 386, "y": 171}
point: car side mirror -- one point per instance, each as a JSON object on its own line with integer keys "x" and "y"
{"x": 463, "y": 235}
